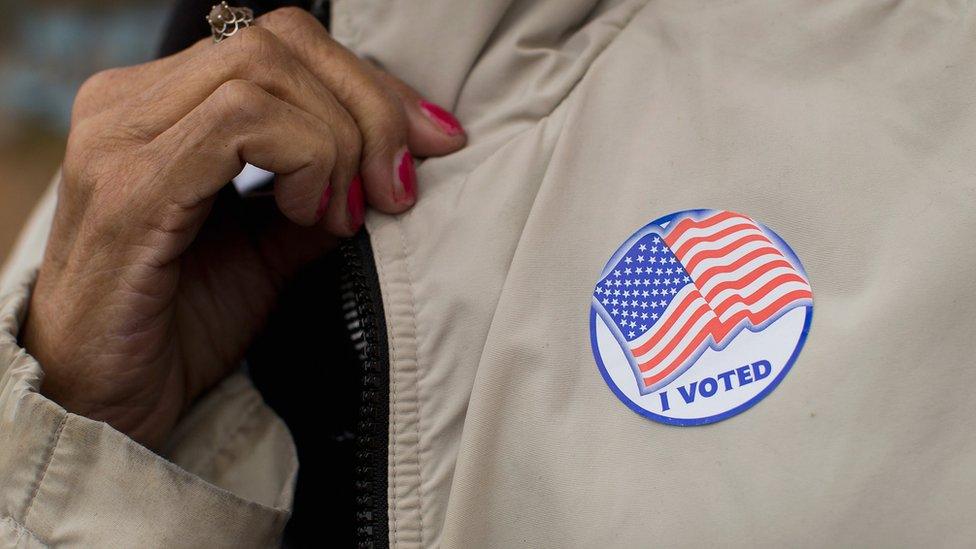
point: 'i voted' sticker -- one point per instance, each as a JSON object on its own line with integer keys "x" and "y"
{"x": 698, "y": 316}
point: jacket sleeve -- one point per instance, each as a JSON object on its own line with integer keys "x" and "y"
{"x": 227, "y": 478}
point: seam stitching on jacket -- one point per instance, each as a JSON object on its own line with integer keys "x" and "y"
{"x": 394, "y": 415}
{"x": 638, "y": 8}
{"x": 416, "y": 358}
{"x": 391, "y": 455}
{"x": 21, "y": 529}
{"x": 506, "y": 140}
{"x": 53, "y": 445}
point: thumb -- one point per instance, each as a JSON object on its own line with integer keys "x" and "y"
{"x": 432, "y": 129}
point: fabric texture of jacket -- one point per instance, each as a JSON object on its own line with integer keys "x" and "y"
{"x": 848, "y": 127}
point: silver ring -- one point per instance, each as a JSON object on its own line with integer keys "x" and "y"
{"x": 225, "y": 20}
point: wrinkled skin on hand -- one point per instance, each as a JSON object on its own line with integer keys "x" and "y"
{"x": 157, "y": 276}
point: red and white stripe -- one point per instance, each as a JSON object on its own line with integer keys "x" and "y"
{"x": 739, "y": 276}
{"x": 683, "y": 328}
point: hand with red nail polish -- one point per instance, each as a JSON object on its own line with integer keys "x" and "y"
{"x": 444, "y": 120}
{"x": 355, "y": 205}
{"x": 170, "y": 273}
{"x": 405, "y": 178}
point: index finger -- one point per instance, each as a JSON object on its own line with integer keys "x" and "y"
{"x": 379, "y": 110}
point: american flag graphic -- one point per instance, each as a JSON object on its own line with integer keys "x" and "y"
{"x": 695, "y": 284}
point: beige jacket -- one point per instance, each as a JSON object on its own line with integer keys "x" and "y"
{"x": 848, "y": 127}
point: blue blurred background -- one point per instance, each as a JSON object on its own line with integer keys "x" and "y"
{"x": 47, "y": 49}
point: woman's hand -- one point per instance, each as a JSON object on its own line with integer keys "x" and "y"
{"x": 156, "y": 277}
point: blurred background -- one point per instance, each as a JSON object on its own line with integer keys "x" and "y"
{"x": 47, "y": 49}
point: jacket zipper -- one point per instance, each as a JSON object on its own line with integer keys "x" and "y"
{"x": 362, "y": 307}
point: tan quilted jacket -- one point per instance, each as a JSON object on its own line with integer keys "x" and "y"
{"x": 847, "y": 127}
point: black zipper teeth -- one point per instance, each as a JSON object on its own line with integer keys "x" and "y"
{"x": 362, "y": 310}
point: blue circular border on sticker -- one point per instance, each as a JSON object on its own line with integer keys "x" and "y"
{"x": 594, "y": 347}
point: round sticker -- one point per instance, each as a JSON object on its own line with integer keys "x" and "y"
{"x": 698, "y": 316}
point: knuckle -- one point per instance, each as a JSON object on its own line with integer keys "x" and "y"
{"x": 236, "y": 98}
{"x": 326, "y": 154}
{"x": 100, "y": 177}
{"x": 386, "y": 106}
{"x": 255, "y": 46}
{"x": 99, "y": 82}
{"x": 83, "y": 135}
{"x": 166, "y": 216}
{"x": 386, "y": 126}
{"x": 349, "y": 139}
{"x": 92, "y": 92}
{"x": 261, "y": 57}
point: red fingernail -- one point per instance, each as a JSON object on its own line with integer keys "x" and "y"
{"x": 357, "y": 208}
{"x": 442, "y": 118}
{"x": 323, "y": 202}
{"x": 406, "y": 177}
